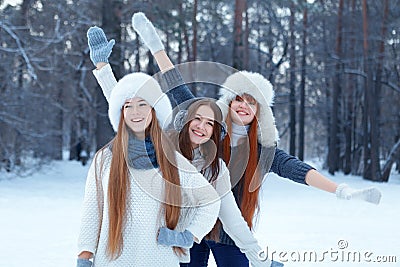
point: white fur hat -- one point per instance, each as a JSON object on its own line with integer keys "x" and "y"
{"x": 254, "y": 84}
{"x": 141, "y": 85}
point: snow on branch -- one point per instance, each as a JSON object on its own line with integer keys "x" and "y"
{"x": 31, "y": 71}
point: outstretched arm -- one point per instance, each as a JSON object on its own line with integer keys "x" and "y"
{"x": 291, "y": 167}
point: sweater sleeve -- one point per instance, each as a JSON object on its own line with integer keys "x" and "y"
{"x": 106, "y": 79}
{"x": 290, "y": 167}
{"x": 176, "y": 89}
{"x": 200, "y": 196}
{"x": 90, "y": 214}
{"x": 233, "y": 222}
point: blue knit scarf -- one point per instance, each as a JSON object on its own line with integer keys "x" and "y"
{"x": 141, "y": 153}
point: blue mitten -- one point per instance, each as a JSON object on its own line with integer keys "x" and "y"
{"x": 83, "y": 263}
{"x": 100, "y": 48}
{"x": 174, "y": 238}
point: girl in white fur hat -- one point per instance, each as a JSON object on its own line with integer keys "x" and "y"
{"x": 144, "y": 203}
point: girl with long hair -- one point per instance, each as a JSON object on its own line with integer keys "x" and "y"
{"x": 250, "y": 148}
{"x": 139, "y": 190}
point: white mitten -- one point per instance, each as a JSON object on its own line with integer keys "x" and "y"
{"x": 371, "y": 194}
{"x": 147, "y": 32}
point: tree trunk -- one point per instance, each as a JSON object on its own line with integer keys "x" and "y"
{"x": 181, "y": 26}
{"x": 246, "y": 40}
{"x": 367, "y": 154}
{"x": 292, "y": 85}
{"x": 194, "y": 27}
{"x": 240, "y": 6}
{"x": 349, "y": 125}
{"x": 334, "y": 145}
{"x": 302, "y": 87}
{"x": 137, "y": 56}
{"x": 375, "y": 105}
{"x": 372, "y": 159}
{"x": 393, "y": 155}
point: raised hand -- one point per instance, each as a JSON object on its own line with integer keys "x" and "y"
{"x": 100, "y": 48}
{"x": 147, "y": 32}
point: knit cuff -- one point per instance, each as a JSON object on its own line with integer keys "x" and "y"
{"x": 173, "y": 78}
{"x": 301, "y": 171}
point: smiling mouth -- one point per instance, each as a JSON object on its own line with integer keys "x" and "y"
{"x": 137, "y": 120}
{"x": 241, "y": 112}
{"x": 197, "y": 133}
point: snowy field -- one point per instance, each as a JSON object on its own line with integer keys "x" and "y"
{"x": 299, "y": 225}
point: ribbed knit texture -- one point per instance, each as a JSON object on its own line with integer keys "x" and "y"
{"x": 144, "y": 218}
{"x": 106, "y": 79}
{"x": 141, "y": 153}
{"x": 100, "y": 48}
{"x": 238, "y": 132}
{"x": 176, "y": 89}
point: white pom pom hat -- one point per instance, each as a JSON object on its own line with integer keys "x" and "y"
{"x": 141, "y": 85}
{"x": 254, "y": 84}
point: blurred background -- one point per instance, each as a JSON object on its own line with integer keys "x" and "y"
{"x": 334, "y": 65}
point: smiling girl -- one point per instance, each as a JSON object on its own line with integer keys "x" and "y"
{"x": 139, "y": 189}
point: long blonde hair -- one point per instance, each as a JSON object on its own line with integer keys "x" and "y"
{"x": 119, "y": 182}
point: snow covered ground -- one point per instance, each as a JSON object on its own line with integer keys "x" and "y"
{"x": 40, "y": 216}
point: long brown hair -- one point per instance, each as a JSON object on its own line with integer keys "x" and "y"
{"x": 249, "y": 205}
{"x": 211, "y": 148}
{"x": 119, "y": 183}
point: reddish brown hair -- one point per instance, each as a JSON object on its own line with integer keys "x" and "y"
{"x": 249, "y": 205}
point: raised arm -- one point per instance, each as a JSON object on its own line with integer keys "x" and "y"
{"x": 100, "y": 50}
{"x": 176, "y": 89}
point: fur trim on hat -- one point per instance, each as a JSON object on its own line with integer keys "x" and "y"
{"x": 141, "y": 85}
{"x": 261, "y": 89}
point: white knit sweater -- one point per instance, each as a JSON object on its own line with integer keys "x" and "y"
{"x": 144, "y": 217}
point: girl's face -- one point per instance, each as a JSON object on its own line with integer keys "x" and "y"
{"x": 201, "y": 126}
{"x": 137, "y": 114}
{"x": 243, "y": 110}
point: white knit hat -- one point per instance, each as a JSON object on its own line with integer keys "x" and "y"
{"x": 254, "y": 84}
{"x": 141, "y": 85}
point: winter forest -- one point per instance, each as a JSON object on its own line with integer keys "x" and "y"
{"x": 334, "y": 65}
